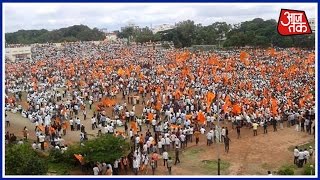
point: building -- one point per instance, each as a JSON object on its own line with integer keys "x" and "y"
{"x": 312, "y": 24}
{"x": 104, "y": 30}
{"x": 111, "y": 37}
{"x": 130, "y": 25}
{"x": 18, "y": 53}
{"x": 162, "y": 27}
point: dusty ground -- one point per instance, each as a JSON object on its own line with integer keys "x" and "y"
{"x": 247, "y": 156}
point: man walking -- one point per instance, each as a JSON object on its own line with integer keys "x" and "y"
{"x": 226, "y": 144}
{"x": 296, "y": 155}
{"x": 265, "y": 127}
{"x": 238, "y": 130}
{"x": 177, "y": 156}
{"x": 165, "y": 157}
{"x": 255, "y": 128}
{"x": 169, "y": 165}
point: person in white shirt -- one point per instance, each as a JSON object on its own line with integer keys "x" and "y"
{"x": 167, "y": 143}
{"x": 20, "y": 142}
{"x": 71, "y": 121}
{"x": 310, "y": 152}
{"x": 165, "y": 157}
{"x": 223, "y": 134}
{"x": 139, "y": 121}
{"x": 301, "y": 158}
{"x": 209, "y": 138}
{"x": 183, "y": 140}
{"x": 93, "y": 123}
{"x": 106, "y": 129}
{"x": 306, "y": 156}
{"x": 202, "y": 130}
{"x": 34, "y": 146}
{"x": 131, "y": 134}
{"x": 96, "y": 170}
{"x": 111, "y": 130}
{"x": 132, "y": 114}
{"x": 116, "y": 167}
{"x": 153, "y": 123}
{"x": 78, "y": 124}
{"x": 296, "y": 155}
{"x": 160, "y": 144}
{"x": 41, "y": 140}
{"x": 135, "y": 165}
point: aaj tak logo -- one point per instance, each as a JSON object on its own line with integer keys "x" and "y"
{"x": 293, "y": 22}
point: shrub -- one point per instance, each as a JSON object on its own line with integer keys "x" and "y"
{"x": 309, "y": 170}
{"x": 286, "y": 170}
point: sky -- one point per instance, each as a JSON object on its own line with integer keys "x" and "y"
{"x": 113, "y": 16}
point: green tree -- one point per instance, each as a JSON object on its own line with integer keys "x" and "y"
{"x": 23, "y": 160}
{"x": 72, "y": 33}
{"x": 144, "y": 35}
{"x": 106, "y": 148}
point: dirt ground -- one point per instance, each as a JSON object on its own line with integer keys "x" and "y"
{"x": 248, "y": 155}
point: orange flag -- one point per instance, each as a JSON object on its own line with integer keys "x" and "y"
{"x": 134, "y": 126}
{"x": 158, "y": 106}
{"x": 272, "y": 52}
{"x": 227, "y": 104}
{"x": 301, "y": 102}
{"x": 274, "y": 106}
{"x": 244, "y": 58}
{"x": 210, "y": 97}
{"x": 201, "y": 117}
{"x": 236, "y": 109}
{"x": 150, "y": 116}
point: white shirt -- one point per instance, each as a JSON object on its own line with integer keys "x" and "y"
{"x": 135, "y": 164}
{"x": 168, "y": 141}
{"x": 296, "y": 152}
{"x": 95, "y": 171}
{"x": 301, "y": 155}
{"x": 154, "y": 122}
{"x": 41, "y": 138}
{"x": 182, "y": 137}
{"x": 34, "y": 146}
{"x": 93, "y": 120}
{"x": 165, "y": 155}
{"x": 306, "y": 154}
{"x": 202, "y": 130}
{"x": 209, "y": 136}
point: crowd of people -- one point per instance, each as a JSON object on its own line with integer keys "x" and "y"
{"x": 183, "y": 96}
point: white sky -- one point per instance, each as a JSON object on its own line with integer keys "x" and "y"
{"x": 113, "y": 16}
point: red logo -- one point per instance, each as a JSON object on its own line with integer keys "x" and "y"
{"x": 293, "y": 22}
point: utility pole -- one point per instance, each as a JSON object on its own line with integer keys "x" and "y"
{"x": 218, "y": 126}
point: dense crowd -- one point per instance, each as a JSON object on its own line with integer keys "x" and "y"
{"x": 183, "y": 95}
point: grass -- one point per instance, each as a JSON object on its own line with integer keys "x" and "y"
{"x": 211, "y": 167}
{"x": 59, "y": 168}
{"x": 192, "y": 154}
{"x": 303, "y": 146}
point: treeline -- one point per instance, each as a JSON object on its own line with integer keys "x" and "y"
{"x": 258, "y": 33}
{"x": 69, "y": 34}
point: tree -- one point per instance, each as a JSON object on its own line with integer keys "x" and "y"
{"x": 72, "y": 33}
{"x": 106, "y": 148}
{"x": 23, "y": 160}
{"x": 144, "y": 35}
